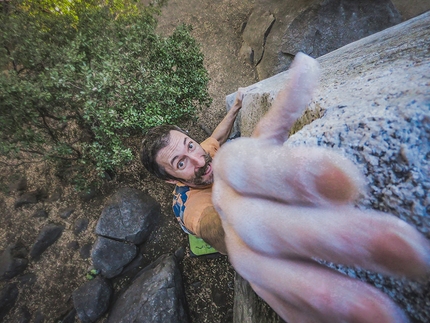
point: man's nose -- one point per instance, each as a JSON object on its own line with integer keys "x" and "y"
{"x": 197, "y": 160}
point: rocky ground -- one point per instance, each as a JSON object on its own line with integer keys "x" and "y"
{"x": 47, "y": 284}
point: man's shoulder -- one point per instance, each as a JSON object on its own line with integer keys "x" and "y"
{"x": 210, "y": 145}
{"x": 210, "y": 140}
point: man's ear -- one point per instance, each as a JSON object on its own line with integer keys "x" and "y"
{"x": 172, "y": 181}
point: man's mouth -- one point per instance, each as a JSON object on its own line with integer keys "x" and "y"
{"x": 208, "y": 169}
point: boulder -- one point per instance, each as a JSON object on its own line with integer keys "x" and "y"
{"x": 48, "y": 235}
{"x": 129, "y": 215}
{"x": 27, "y": 198}
{"x": 27, "y": 280}
{"x": 80, "y": 225}
{"x": 56, "y": 195}
{"x": 155, "y": 296}
{"x": 13, "y": 261}
{"x": 41, "y": 213}
{"x": 91, "y": 300}
{"x": 110, "y": 256}
{"x": 69, "y": 317}
{"x": 8, "y": 296}
{"x": 67, "y": 212}
{"x": 85, "y": 251}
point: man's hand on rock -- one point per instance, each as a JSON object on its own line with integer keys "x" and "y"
{"x": 284, "y": 208}
{"x": 237, "y": 104}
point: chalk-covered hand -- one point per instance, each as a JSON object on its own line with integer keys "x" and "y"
{"x": 284, "y": 208}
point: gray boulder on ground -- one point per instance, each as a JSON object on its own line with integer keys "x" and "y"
{"x": 69, "y": 317}
{"x": 41, "y": 213}
{"x": 129, "y": 215}
{"x": 8, "y": 296}
{"x": 91, "y": 300}
{"x": 155, "y": 296}
{"x": 26, "y": 199}
{"x": 48, "y": 235}
{"x": 67, "y": 212}
{"x": 13, "y": 261}
{"x": 80, "y": 225}
{"x": 110, "y": 256}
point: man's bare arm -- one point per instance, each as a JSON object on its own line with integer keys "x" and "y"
{"x": 222, "y": 131}
{"x": 211, "y": 229}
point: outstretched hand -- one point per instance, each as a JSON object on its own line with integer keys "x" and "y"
{"x": 237, "y": 104}
{"x": 284, "y": 208}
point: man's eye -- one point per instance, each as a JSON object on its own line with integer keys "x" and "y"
{"x": 181, "y": 165}
{"x": 190, "y": 145}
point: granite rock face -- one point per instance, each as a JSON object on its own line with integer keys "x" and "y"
{"x": 375, "y": 100}
{"x": 254, "y": 36}
{"x": 329, "y": 25}
{"x": 377, "y": 113}
{"x": 276, "y": 31}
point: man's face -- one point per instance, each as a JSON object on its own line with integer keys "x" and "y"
{"x": 185, "y": 159}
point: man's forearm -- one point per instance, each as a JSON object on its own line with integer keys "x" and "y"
{"x": 222, "y": 131}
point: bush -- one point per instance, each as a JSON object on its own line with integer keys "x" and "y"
{"x": 80, "y": 77}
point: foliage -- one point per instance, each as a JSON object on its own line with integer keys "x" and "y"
{"x": 78, "y": 77}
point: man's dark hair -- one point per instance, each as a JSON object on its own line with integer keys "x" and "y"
{"x": 154, "y": 140}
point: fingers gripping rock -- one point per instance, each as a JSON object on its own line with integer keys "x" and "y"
{"x": 313, "y": 176}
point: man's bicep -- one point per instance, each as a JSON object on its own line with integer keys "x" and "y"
{"x": 211, "y": 230}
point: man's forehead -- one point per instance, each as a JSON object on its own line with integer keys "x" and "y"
{"x": 177, "y": 140}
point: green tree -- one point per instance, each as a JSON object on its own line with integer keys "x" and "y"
{"x": 78, "y": 77}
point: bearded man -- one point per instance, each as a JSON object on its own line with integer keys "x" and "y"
{"x": 170, "y": 154}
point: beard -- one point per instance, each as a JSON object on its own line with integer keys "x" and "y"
{"x": 198, "y": 178}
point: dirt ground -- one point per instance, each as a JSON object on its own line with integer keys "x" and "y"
{"x": 46, "y": 285}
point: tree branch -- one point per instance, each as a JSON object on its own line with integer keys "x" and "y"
{"x": 42, "y": 115}
{"x": 13, "y": 61}
{"x": 22, "y": 163}
{"x": 53, "y": 156}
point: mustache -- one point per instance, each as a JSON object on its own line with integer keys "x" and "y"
{"x": 203, "y": 169}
